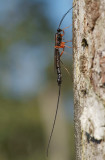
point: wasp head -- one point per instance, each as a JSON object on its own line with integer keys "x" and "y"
{"x": 59, "y": 30}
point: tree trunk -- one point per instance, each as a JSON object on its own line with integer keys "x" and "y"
{"x": 89, "y": 78}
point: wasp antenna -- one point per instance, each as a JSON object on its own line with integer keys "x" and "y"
{"x": 64, "y": 16}
{"x": 54, "y": 121}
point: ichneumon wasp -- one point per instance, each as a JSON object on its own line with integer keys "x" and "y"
{"x": 58, "y": 44}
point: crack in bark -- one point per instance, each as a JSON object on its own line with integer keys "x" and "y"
{"x": 92, "y": 139}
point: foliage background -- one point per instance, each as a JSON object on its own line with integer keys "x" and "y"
{"x": 28, "y": 88}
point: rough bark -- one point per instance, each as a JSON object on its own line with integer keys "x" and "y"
{"x": 89, "y": 78}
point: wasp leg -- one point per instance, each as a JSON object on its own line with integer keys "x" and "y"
{"x": 68, "y": 46}
{"x": 68, "y": 41}
{"x": 66, "y": 27}
{"x": 62, "y": 52}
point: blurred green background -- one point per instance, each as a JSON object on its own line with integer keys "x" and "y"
{"x": 28, "y": 87}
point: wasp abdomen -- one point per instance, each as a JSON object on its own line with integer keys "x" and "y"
{"x": 58, "y": 68}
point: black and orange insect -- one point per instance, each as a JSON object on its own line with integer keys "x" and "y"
{"x": 59, "y": 44}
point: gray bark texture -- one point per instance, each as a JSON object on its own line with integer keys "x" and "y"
{"x": 89, "y": 78}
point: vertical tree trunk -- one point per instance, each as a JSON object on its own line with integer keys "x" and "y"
{"x": 89, "y": 78}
